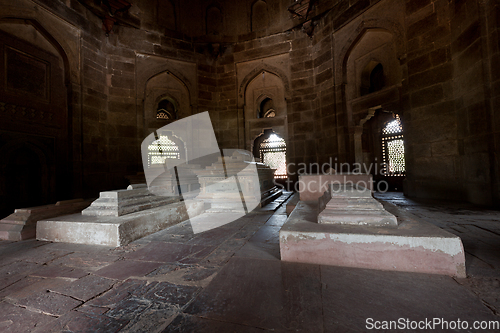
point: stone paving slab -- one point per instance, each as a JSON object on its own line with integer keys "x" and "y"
{"x": 408, "y": 295}
{"x": 124, "y": 269}
{"x": 224, "y": 252}
{"x": 187, "y": 324}
{"x": 276, "y": 220}
{"x": 15, "y": 271}
{"x": 42, "y": 255}
{"x": 49, "y": 303}
{"x": 267, "y": 234}
{"x": 154, "y": 319}
{"x": 15, "y": 319}
{"x": 257, "y": 250}
{"x": 75, "y": 321}
{"x": 84, "y": 260}
{"x": 37, "y": 285}
{"x": 119, "y": 292}
{"x": 92, "y": 310}
{"x": 273, "y": 301}
{"x": 169, "y": 252}
{"x": 188, "y": 275}
{"x": 19, "y": 285}
{"x": 52, "y": 271}
{"x": 86, "y": 287}
{"x": 165, "y": 292}
{"x": 213, "y": 237}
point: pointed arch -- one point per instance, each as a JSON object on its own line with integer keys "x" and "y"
{"x": 264, "y": 68}
{"x": 214, "y": 19}
{"x": 259, "y": 16}
{"x": 48, "y": 37}
{"x": 392, "y": 27}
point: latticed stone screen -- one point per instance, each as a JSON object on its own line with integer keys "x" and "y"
{"x": 273, "y": 154}
{"x": 161, "y": 149}
{"x": 393, "y": 148}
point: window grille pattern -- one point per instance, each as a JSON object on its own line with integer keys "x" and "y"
{"x": 273, "y": 154}
{"x": 393, "y": 148}
{"x": 270, "y": 114}
{"x": 161, "y": 149}
{"x": 163, "y": 114}
{"x": 393, "y": 127}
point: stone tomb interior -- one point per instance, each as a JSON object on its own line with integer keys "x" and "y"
{"x": 405, "y": 93}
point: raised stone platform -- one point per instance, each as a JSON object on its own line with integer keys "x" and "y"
{"x": 116, "y": 230}
{"x": 349, "y": 204}
{"x": 21, "y": 224}
{"x": 412, "y": 246}
{"x": 121, "y": 202}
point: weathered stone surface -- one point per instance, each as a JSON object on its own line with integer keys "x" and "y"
{"x": 285, "y": 305}
{"x": 135, "y": 198}
{"x": 187, "y": 323}
{"x": 51, "y": 271}
{"x": 123, "y": 269}
{"x": 49, "y": 303}
{"x": 414, "y": 246}
{"x": 22, "y": 223}
{"x": 355, "y": 206}
{"x": 171, "y": 252}
{"x": 15, "y": 271}
{"x": 86, "y": 287}
{"x": 14, "y": 319}
{"x": 76, "y": 321}
{"x": 116, "y": 231}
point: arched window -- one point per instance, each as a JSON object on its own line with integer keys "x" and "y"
{"x": 166, "y": 110}
{"x": 272, "y": 153}
{"x": 161, "y": 149}
{"x": 393, "y": 149}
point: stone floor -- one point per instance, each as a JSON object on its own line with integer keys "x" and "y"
{"x": 230, "y": 279}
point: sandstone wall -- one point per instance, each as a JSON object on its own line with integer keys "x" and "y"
{"x": 440, "y": 62}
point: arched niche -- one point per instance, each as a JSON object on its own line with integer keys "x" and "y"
{"x": 264, "y": 90}
{"x": 260, "y": 16}
{"x": 372, "y": 76}
{"x": 36, "y": 89}
{"x": 165, "y": 86}
{"x": 214, "y": 20}
{"x": 61, "y": 34}
{"x": 167, "y": 15}
{"x": 375, "y": 49}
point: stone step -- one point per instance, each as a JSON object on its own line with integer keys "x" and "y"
{"x": 116, "y": 230}
{"x": 134, "y": 199}
{"x": 21, "y": 224}
{"x": 358, "y": 217}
